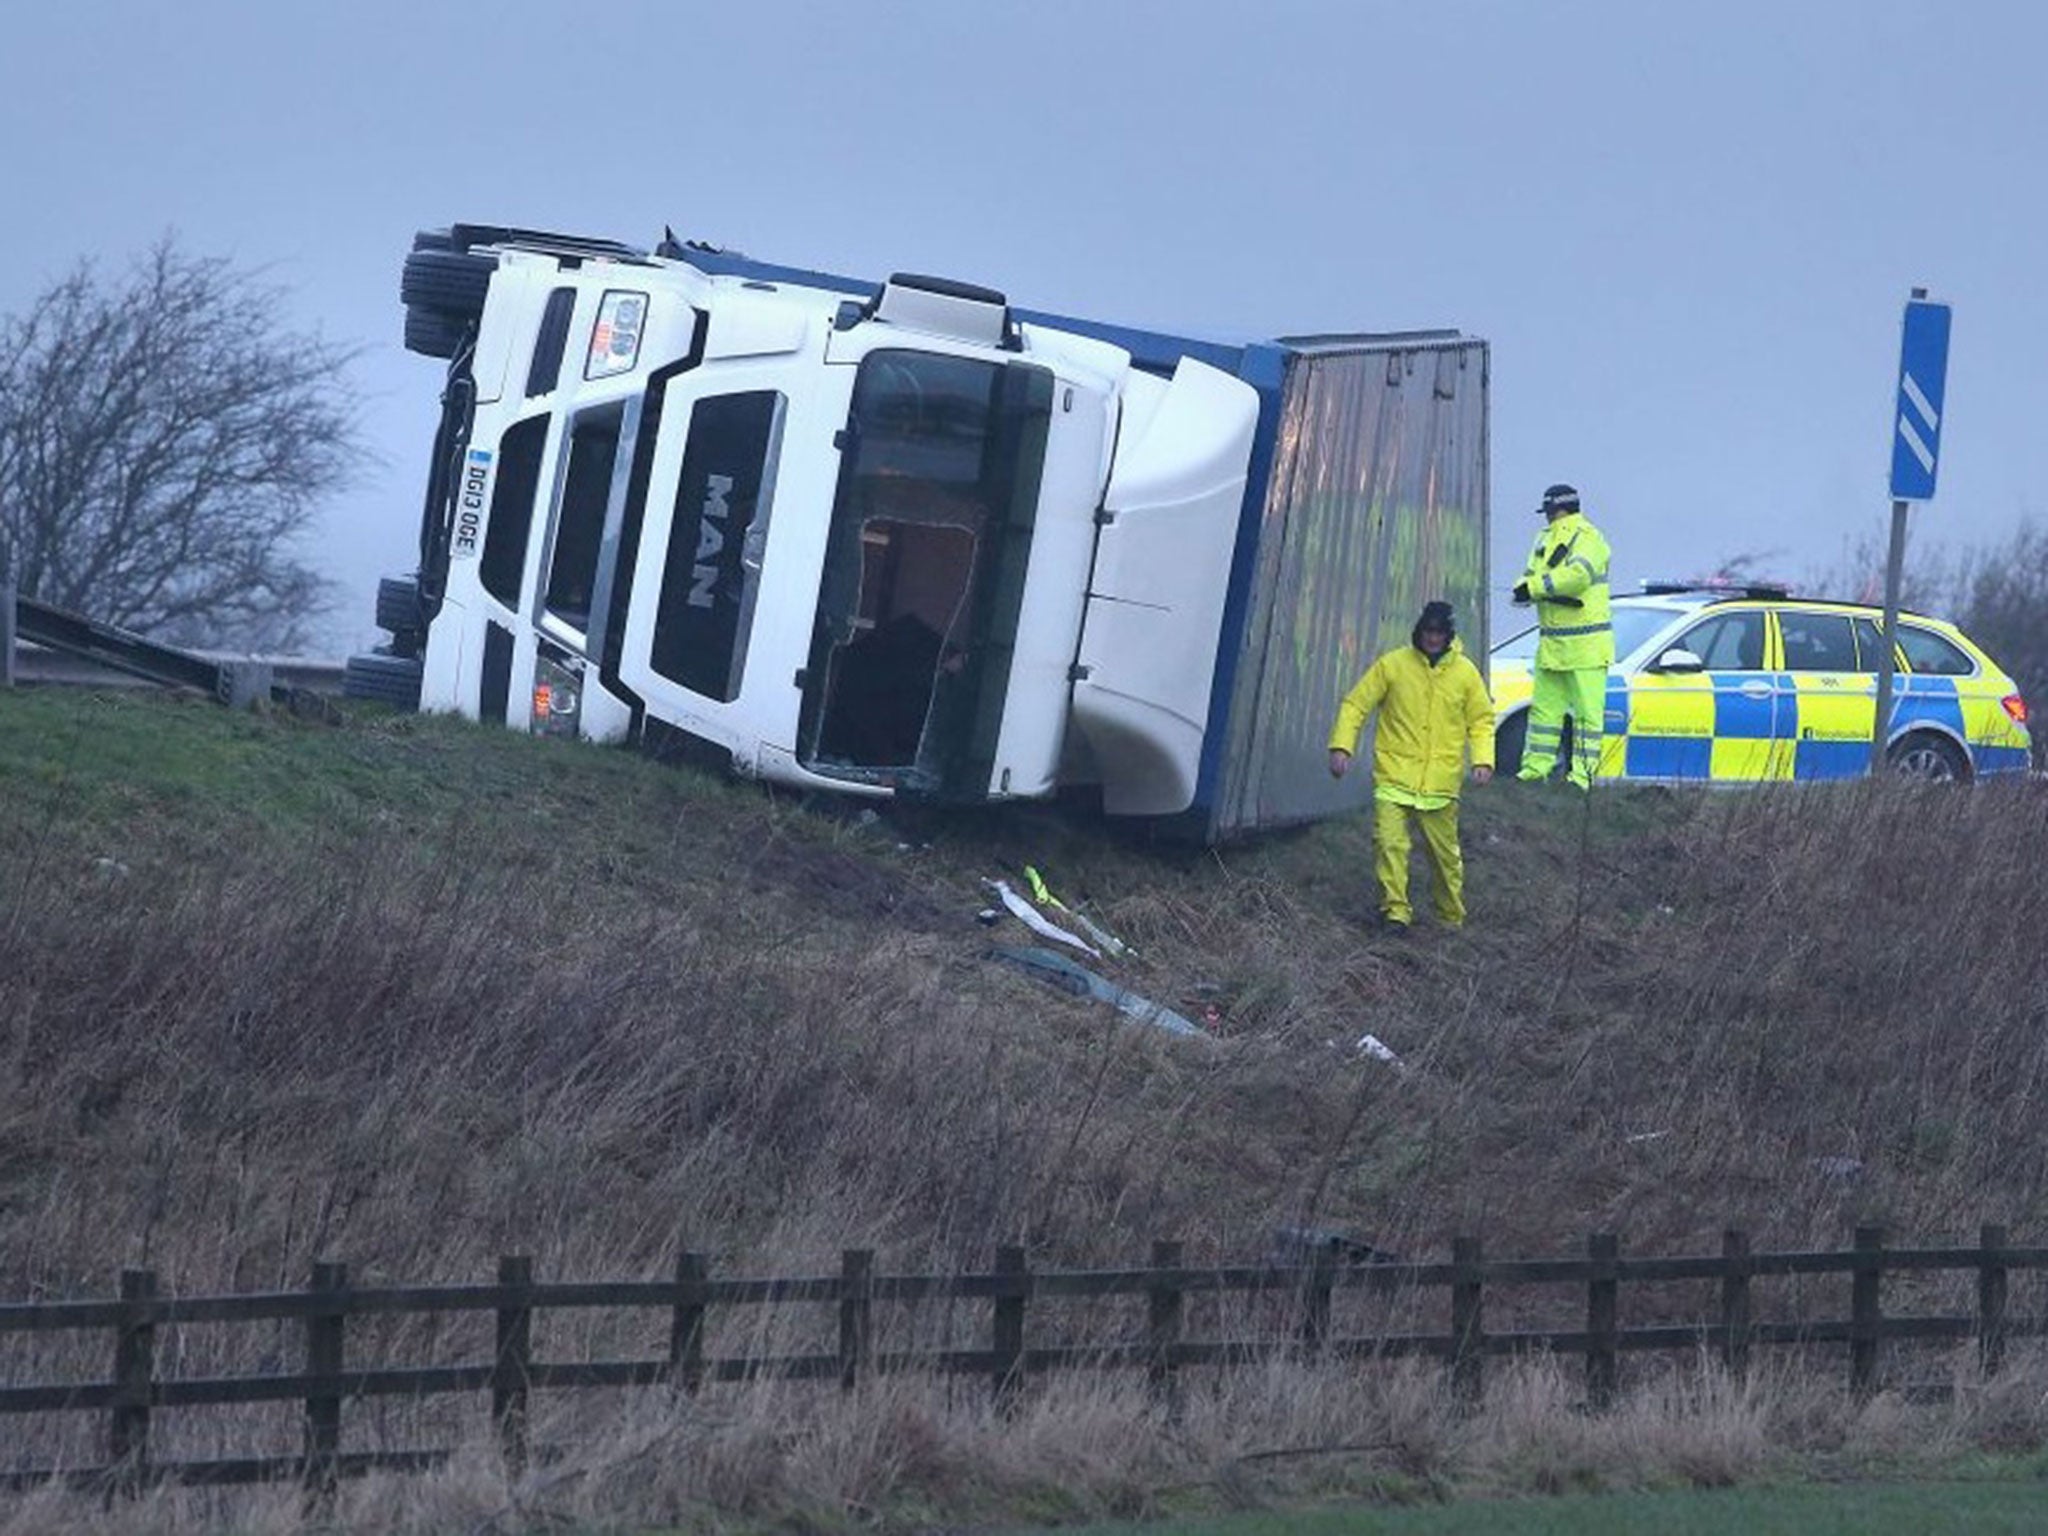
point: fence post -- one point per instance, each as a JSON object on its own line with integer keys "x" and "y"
{"x": 1603, "y": 1287}
{"x": 1735, "y": 1304}
{"x": 324, "y": 1359}
{"x": 1468, "y": 1323}
{"x": 1866, "y": 1312}
{"x": 856, "y": 1313}
{"x": 1163, "y": 1326}
{"x": 1315, "y": 1303}
{"x": 686, "y": 1325}
{"x": 514, "y": 1362}
{"x": 1012, "y": 1285}
{"x": 1991, "y": 1300}
{"x": 134, "y": 1373}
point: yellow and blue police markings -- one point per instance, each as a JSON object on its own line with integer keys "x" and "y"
{"x": 1750, "y": 727}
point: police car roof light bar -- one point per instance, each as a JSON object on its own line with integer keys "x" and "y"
{"x": 1757, "y": 589}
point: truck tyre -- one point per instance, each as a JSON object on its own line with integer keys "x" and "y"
{"x": 431, "y": 333}
{"x": 398, "y": 612}
{"x": 1929, "y": 758}
{"x": 382, "y": 679}
{"x": 452, "y": 282}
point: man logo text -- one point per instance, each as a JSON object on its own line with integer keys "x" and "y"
{"x": 710, "y": 540}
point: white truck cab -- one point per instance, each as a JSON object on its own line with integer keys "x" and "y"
{"x": 876, "y": 542}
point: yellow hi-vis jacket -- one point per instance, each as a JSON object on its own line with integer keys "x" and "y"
{"x": 1570, "y": 561}
{"x": 1430, "y": 717}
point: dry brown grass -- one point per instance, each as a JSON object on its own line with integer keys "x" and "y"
{"x": 410, "y": 996}
{"x": 905, "y": 1455}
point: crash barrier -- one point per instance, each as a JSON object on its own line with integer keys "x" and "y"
{"x": 38, "y": 666}
{"x": 138, "y": 1325}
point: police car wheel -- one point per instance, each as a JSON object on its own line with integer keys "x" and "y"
{"x": 1928, "y": 759}
{"x": 1507, "y": 746}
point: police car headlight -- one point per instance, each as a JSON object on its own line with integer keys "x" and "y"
{"x": 615, "y": 338}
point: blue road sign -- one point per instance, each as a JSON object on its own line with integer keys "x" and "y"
{"x": 1923, "y": 375}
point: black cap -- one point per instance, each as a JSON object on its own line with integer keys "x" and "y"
{"x": 1434, "y": 616}
{"x": 1559, "y": 498}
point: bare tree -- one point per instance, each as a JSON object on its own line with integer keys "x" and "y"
{"x": 165, "y": 439}
{"x": 1933, "y": 580}
{"x": 2005, "y": 609}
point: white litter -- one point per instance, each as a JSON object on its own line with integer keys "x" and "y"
{"x": 1378, "y": 1049}
{"x": 1030, "y": 917}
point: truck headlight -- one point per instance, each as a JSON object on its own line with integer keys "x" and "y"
{"x": 615, "y": 338}
{"x": 557, "y": 695}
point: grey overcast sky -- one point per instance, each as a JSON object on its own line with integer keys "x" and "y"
{"x": 1687, "y": 229}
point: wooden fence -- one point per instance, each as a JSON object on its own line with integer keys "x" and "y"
{"x": 135, "y": 1393}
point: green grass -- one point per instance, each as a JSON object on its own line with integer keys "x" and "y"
{"x": 1981, "y": 1509}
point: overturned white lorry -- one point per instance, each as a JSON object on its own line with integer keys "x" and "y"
{"x": 904, "y": 539}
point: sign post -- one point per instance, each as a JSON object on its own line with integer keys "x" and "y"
{"x": 1916, "y": 450}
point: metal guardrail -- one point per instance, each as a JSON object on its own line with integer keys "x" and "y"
{"x": 38, "y": 666}
{"x": 46, "y": 645}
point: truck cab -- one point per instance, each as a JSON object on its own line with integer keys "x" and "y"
{"x": 878, "y": 541}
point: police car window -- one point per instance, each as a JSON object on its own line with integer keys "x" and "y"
{"x": 1522, "y": 647}
{"x": 1869, "y": 645}
{"x": 1633, "y": 626}
{"x": 1728, "y": 642}
{"x": 1930, "y": 653}
{"x": 1817, "y": 642}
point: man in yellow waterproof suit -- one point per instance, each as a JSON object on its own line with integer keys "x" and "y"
{"x": 1567, "y": 581}
{"x": 1434, "y": 711}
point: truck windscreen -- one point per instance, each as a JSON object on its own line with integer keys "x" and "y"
{"x": 931, "y": 526}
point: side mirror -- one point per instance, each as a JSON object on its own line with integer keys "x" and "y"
{"x": 1678, "y": 659}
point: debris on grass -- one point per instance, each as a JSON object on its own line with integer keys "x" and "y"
{"x": 1057, "y": 970}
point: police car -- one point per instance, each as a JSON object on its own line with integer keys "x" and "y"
{"x": 1743, "y": 685}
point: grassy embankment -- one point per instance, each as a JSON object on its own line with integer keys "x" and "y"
{"x": 410, "y": 995}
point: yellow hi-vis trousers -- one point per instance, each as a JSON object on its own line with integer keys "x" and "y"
{"x": 1581, "y": 693}
{"x": 1439, "y": 841}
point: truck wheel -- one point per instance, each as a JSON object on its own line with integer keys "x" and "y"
{"x": 453, "y": 282}
{"x": 398, "y": 604}
{"x": 381, "y": 679}
{"x": 398, "y": 611}
{"x": 431, "y": 333}
{"x": 1929, "y": 758}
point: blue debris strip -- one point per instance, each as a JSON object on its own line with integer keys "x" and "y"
{"x": 1069, "y": 976}
{"x": 1923, "y": 381}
